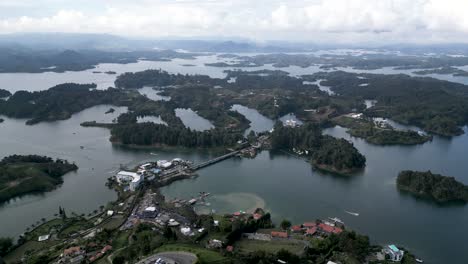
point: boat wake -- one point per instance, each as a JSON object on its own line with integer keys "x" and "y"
{"x": 352, "y": 213}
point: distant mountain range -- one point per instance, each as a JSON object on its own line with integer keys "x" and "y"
{"x": 105, "y": 42}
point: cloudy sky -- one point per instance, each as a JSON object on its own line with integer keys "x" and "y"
{"x": 383, "y": 21}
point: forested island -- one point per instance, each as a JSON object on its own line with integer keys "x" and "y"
{"x": 444, "y": 70}
{"x": 325, "y": 152}
{"x": 435, "y": 186}
{"x": 379, "y": 133}
{"x": 24, "y": 174}
{"x": 58, "y": 102}
{"x": 438, "y": 107}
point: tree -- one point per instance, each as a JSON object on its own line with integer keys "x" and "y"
{"x": 118, "y": 260}
{"x": 285, "y": 224}
{"x": 6, "y": 243}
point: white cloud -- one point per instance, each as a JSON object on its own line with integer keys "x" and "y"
{"x": 319, "y": 20}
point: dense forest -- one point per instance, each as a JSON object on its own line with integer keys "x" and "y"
{"x": 4, "y": 93}
{"x": 159, "y": 78}
{"x": 435, "y": 186}
{"x": 59, "y": 102}
{"x": 439, "y": 107}
{"x": 21, "y": 175}
{"x": 150, "y": 134}
{"x": 326, "y": 152}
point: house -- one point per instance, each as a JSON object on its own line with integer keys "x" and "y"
{"x": 311, "y": 231}
{"x": 328, "y": 229}
{"x": 296, "y": 228}
{"x": 279, "y": 234}
{"x": 229, "y": 248}
{"x": 72, "y": 251}
{"x": 186, "y": 231}
{"x": 393, "y": 253}
{"x": 106, "y": 248}
{"x": 214, "y": 243}
{"x": 43, "y": 238}
{"x": 110, "y": 213}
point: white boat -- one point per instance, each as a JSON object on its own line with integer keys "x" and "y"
{"x": 419, "y": 260}
{"x": 352, "y": 213}
{"x": 336, "y": 220}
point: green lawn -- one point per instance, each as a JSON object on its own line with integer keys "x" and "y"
{"x": 113, "y": 223}
{"x": 247, "y": 246}
{"x": 204, "y": 255}
{"x": 44, "y": 229}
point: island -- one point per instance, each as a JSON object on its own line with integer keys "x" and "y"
{"x": 444, "y": 70}
{"x": 110, "y": 111}
{"x": 24, "y": 174}
{"x": 325, "y": 152}
{"x": 434, "y": 186}
{"x": 379, "y": 133}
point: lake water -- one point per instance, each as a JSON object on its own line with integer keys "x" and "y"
{"x": 192, "y": 120}
{"x": 290, "y": 188}
{"x": 258, "y": 122}
{"x": 153, "y": 94}
{"x": 287, "y": 186}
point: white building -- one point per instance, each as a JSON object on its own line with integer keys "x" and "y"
{"x": 393, "y": 253}
{"x": 132, "y": 178}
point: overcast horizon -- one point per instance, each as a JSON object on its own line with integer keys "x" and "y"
{"x": 319, "y": 21}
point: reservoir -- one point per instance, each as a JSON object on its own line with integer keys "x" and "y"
{"x": 288, "y": 187}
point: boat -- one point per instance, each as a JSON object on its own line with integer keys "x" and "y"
{"x": 419, "y": 260}
{"x": 336, "y": 220}
{"x": 154, "y": 154}
{"x": 352, "y": 213}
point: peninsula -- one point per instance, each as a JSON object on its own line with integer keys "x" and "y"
{"x": 20, "y": 175}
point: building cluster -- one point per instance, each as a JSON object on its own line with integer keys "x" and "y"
{"x": 148, "y": 171}
{"x": 78, "y": 254}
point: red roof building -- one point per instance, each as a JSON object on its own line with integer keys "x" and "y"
{"x": 311, "y": 231}
{"x": 71, "y": 250}
{"x": 330, "y": 229}
{"x": 229, "y": 248}
{"x": 237, "y": 213}
{"x": 296, "y": 228}
{"x": 279, "y": 234}
{"x": 257, "y": 216}
{"x": 105, "y": 249}
{"x": 309, "y": 224}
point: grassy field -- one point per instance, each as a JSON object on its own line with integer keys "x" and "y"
{"x": 113, "y": 223}
{"x": 204, "y": 255}
{"x": 247, "y": 245}
{"x": 44, "y": 229}
{"x": 29, "y": 246}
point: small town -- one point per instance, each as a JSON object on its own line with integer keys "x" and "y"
{"x": 142, "y": 217}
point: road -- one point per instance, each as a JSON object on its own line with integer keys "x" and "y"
{"x": 176, "y": 257}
